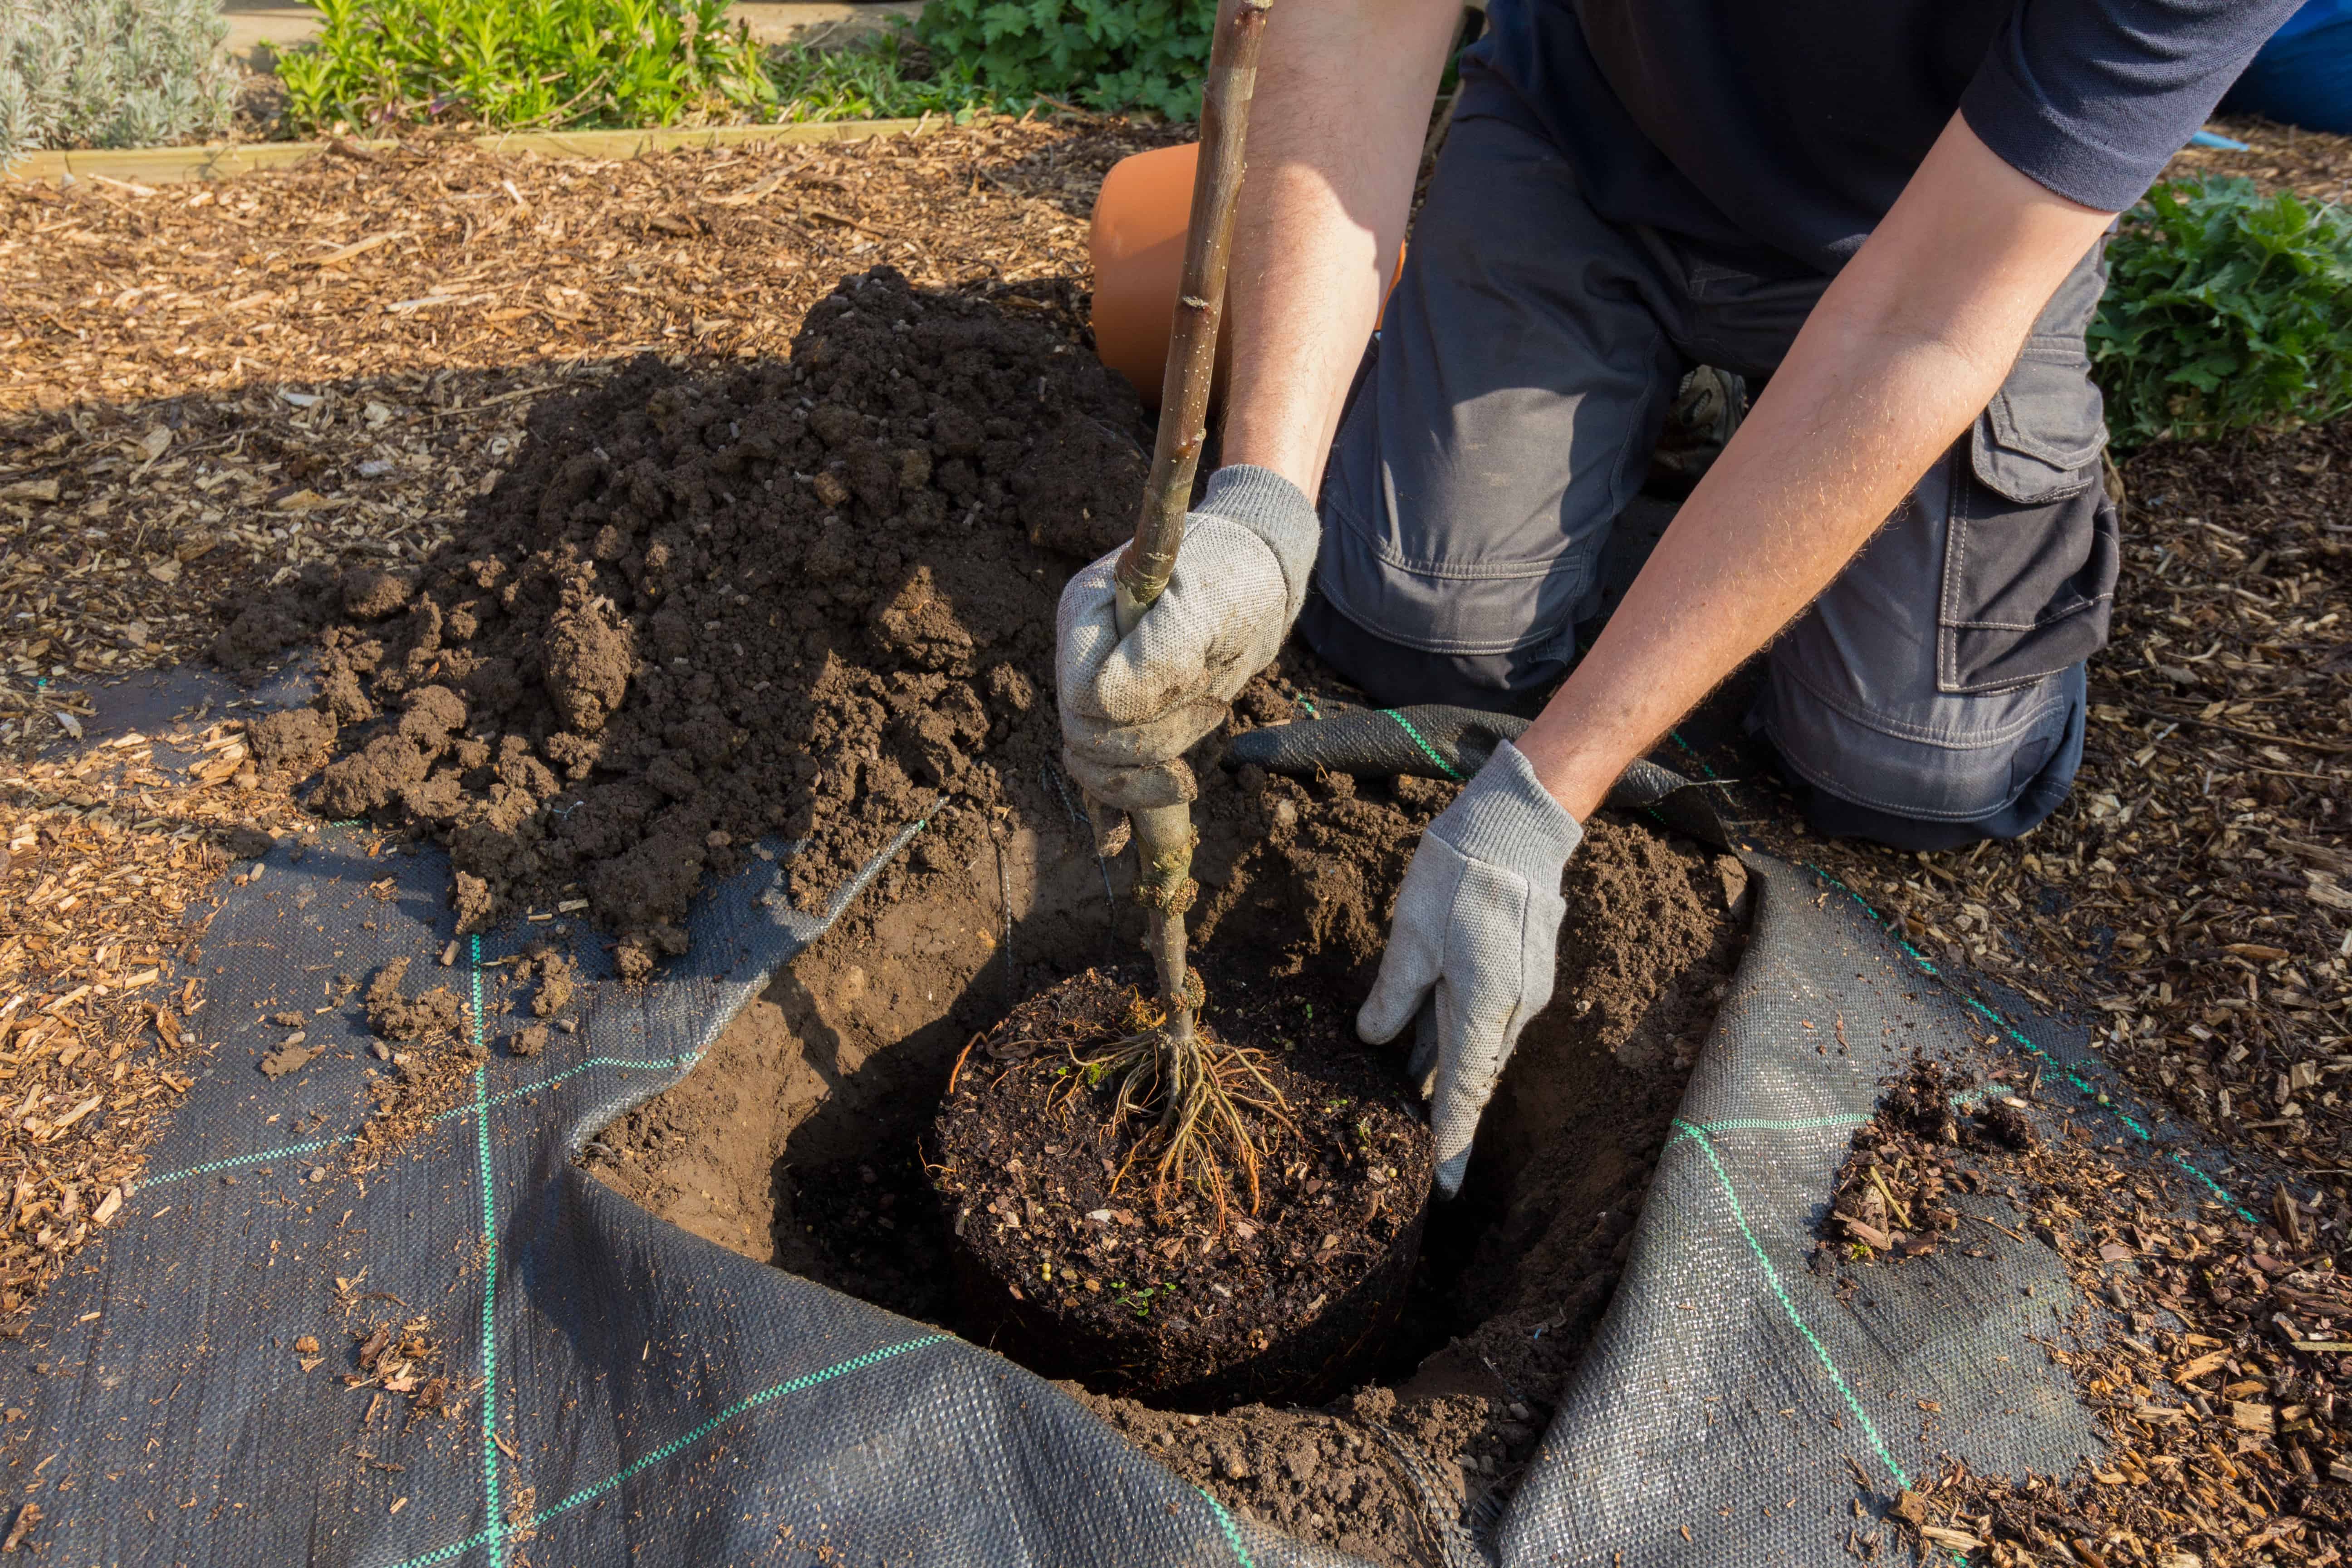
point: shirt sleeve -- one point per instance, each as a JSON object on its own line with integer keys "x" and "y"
{"x": 2091, "y": 98}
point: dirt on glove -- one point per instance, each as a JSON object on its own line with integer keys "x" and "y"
{"x": 803, "y": 598}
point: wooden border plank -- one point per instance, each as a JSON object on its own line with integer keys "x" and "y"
{"x": 227, "y": 160}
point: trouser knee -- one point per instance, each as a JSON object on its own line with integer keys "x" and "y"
{"x": 1990, "y": 766}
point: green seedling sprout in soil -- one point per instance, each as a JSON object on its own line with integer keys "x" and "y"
{"x": 1201, "y": 1086}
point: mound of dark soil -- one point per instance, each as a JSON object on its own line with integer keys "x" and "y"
{"x": 806, "y": 598}
{"x": 1086, "y": 1266}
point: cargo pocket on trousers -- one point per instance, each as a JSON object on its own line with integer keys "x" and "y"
{"x": 2030, "y": 552}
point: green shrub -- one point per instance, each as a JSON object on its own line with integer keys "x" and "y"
{"x": 1106, "y": 55}
{"x": 112, "y": 73}
{"x": 515, "y": 63}
{"x": 888, "y": 77}
{"x": 2224, "y": 311}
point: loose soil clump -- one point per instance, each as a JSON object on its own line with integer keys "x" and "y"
{"x": 807, "y": 598}
{"x": 428, "y": 1057}
{"x": 1892, "y": 1197}
{"x": 1081, "y": 1265}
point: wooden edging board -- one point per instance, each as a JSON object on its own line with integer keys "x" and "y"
{"x": 227, "y": 160}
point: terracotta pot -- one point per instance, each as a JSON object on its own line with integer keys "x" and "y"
{"x": 1137, "y": 246}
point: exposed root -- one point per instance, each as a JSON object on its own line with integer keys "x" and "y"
{"x": 1199, "y": 1088}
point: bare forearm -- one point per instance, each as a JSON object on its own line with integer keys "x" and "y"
{"x": 1905, "y": 349}
{"x": 1827, "y": 454}
{"x": 1343, "y": 98}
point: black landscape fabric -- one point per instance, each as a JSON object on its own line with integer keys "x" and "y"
{"x": 624, "y": 1393}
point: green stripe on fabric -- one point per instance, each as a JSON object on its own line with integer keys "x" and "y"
{"x": 591, "y": 1493}
{"x": 1772, "y": 1278}
{"x": 793, "y": 1385}
{"x": 2017, "y": 1038}
{"x": 1426, "y": 749}
{"x": 455, "y": 1113}
{"x": 1676, "y": 737}
{"x": 231, "y": 1161}
{"x": 495, "y": 1524}
{"x": 1233, "y": 1534}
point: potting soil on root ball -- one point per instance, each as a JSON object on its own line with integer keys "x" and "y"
{"x": 1078, "y": 1259}
{"x": 804, "y": 598}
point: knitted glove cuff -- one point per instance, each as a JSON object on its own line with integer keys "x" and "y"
{"x": 1275, "y": 509}
{"x": 1506, "y": 817}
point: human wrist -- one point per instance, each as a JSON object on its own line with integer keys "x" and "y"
{"x": 1505, "y": 816}
{"x": 1276, "y": 510}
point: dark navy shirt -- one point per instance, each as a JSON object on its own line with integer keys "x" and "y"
{"x": 1786, "y": 129}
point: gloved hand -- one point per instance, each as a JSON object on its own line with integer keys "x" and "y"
{"x": 1132, "y": 705}
{"x": 1475, "y": 944}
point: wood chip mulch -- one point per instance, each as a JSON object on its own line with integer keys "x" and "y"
{"x": 111, "y": 869}
{"x": 2206, "y": 1344}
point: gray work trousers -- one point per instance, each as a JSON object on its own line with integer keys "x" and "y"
{"x": 1932, "y": 695}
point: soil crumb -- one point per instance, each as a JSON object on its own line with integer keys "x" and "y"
{"x": 1083, "y": 1263}
{"x": 414, "y": 1084}
{"x": 558, "y": 975}
{"x": 394, "y": 1015}
{"x": 291, "y": 743}
{"x": 290, "y": 1055}
{"x": 803, "y": 598}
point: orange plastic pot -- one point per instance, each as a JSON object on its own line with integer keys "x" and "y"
{"x": 1137, "y": 245}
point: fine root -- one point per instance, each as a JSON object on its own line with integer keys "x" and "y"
{"x": 1199, "y": 1088}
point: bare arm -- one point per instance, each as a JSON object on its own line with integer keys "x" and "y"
{"x": 1343, "y": 98}
{"x": 1903, "y": 351}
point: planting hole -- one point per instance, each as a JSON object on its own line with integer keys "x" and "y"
{"x": 801, "y": 1138}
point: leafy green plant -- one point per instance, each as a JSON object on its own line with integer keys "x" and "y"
{"x": 1106, "y": 55}
{"x": 888, "y": 77}
{"x": 112, "y": 73}
{"x": 2225, "y": 311}
{"x": 512, "y": 64}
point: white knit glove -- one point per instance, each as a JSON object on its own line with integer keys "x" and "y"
{"x": 1132, "y": 705}
{"x": 1475, "y": 944}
